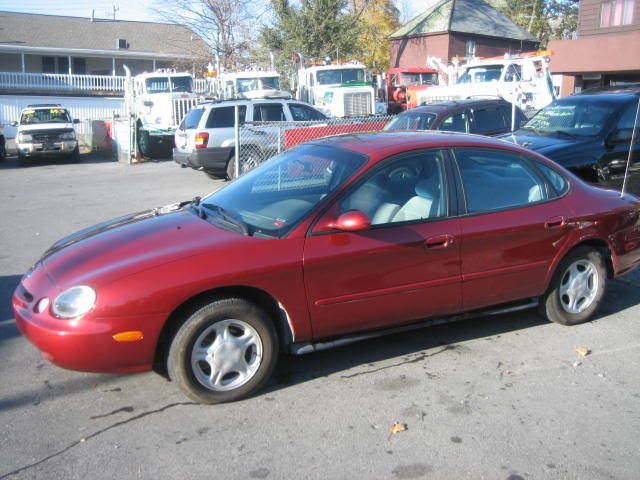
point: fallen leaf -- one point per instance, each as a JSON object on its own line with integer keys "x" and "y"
{"x": 582, "y": 351}
{"x": 397, "y": 427}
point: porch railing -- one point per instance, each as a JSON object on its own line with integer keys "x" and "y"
{"x": 57, "y": 82}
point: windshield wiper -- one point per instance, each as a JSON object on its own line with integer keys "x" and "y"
{"x": 229, "y": 218}
{"x": 562, "y": 132}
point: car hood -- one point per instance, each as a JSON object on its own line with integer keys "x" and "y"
{"x": 548, "y": 145}
{"x": 129, "y": 244}
{"x": 37, "y": 127}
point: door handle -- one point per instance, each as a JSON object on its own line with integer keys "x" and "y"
{"x": 555, "y": 223}
{"x": 438, "y": 241}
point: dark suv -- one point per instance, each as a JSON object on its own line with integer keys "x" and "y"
{"x": 588, "y": 133}
{"x": 484, "y": 117}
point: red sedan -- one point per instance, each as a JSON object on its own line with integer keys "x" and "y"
{"x": 330, "y": 242}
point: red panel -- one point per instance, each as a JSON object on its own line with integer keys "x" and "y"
{"x": 295, "y": 136}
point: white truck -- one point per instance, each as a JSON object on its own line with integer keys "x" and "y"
{"x": 158, "y": 101}
{"x": 338, "y": 90}
{"x": 520, "y": 79}
{"x": 248, "y": 84}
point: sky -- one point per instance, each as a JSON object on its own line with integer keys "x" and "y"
{"x": 137, "y": 9}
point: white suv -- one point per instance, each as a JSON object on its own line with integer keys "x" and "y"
{"x": 46, "y": 131}
{"x": 205, "y": 138}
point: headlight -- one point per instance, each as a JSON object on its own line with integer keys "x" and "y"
{"x": 24, "y": 137}
{"x": 74, "y": 302}
{"x": 68, "y": 136}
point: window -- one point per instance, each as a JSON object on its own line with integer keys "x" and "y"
{"x": 514, "y": 73}
{"x": 614, "y": 13}
{"x": 409, "y": 188}
{"x": 157, "y": 85}
{"x": 556, "y": 180}
{"x": 481, "y": 74}
{"x": 224, "y": 117}
{"x": 488, "y": 120}
{"x": 301, "y": 113}
{"x": 192, "y": 119}
{"x": 79, "y": 66}
{"x": 270, "y": 112}
{"x": 63, "y": 65}
{"x": 470, "y": 49}
{"x": 458, "y": 122}
{"x": 494, "y": 180}
{"x": 411, "y": 121}
{"x": 48, "y": 65}
{"x": 573, "y": 116}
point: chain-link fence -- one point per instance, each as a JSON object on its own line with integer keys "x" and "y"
{"x": 260, "y": 141}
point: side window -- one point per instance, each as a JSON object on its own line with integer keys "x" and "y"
{"x": 494, "y": 179}
{"x": 556, "y": 180}
{"x": 513, "y": 74}
{"x": 224, "y": 117}
{"x": 192, "y": 119}
{"x": 488, "y": 120}
{"x": 268, "y": 112}
{"x": 301, "y": 113}
{"x": 458, "y": 122}
{"x": 409, "y": 188}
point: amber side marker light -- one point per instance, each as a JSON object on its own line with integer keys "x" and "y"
{"x": 133, "y": 336}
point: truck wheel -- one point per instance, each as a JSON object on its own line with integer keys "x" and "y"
{"x": 224, "y": 351}
{"x": 74, "y": 157}
{"x": 144, "y": 143}
{"x": 577, "y": 288}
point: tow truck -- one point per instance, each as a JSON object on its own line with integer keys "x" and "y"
{"x": 403, "y": 85}
{"x": 248, "y": 84}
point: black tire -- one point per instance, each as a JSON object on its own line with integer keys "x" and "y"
{"x": 144, "y": 143}
{"x": 231, "y": 167}
{"x": 552, "y": 303}
{"x": 74, "y": 157}
{"x": 202, "y": 320}
{"x": 215, "y": 176}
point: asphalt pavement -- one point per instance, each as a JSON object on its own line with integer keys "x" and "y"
{"x": 502, "y": 397}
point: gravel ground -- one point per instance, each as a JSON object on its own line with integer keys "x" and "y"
{"x": 502, "y": 397}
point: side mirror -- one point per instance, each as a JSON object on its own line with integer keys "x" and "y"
{"x": 352, "y": 221}
{"x": 76, "y": 120}
{"x": 14, "y": 124}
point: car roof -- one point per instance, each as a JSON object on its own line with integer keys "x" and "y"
{"x": 613, "y": 89}
{"x": 380, "y": 145}
{"x": 462, "y": 103}
{"x": 613, "y": 97}
{"x": 246, "y": 101}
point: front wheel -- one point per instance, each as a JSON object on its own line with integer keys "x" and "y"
{"x": 226, "y": 350}
{"x": 577, "y": 288}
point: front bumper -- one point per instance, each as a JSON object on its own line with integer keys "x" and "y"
{"x": 86, "y": 343}
{"x": 213, "y": 160}
{"x": 53, "y": 149}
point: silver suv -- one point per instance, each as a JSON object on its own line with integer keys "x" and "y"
{"x": 205, "y": 138}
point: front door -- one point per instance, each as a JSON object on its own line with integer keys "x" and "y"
{"x": 403, "y": 268}
{"x": 515, "y": 225}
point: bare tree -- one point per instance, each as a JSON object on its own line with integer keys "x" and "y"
{"x": 222, "y": 24}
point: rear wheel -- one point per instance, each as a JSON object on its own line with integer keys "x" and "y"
{"x": 577, "y": 288}
{"x": 224, "y": 351}
{"x": 74, "y": 157}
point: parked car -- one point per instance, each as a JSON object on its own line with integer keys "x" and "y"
{"x": 484, "y": 117}
{"x": 590, "y": 134}
{"x": 205, "y": 138}
{"x": 330, "y": 242}
{"x": 46, "y": 131}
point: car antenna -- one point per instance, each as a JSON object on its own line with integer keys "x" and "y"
{"x": 633, "y": 139}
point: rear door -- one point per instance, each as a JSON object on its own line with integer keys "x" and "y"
{"x": 514, "y": 226}
{"x": 220, "y": 124}
{"x": 458, "y": 121}
{"x": 616, "y": 154}
{"x": 488, "y": 120}
{"x": 269, "y": 112}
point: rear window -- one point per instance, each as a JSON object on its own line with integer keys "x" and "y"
{"x": 556, "y": 180}
{"x": 272, "y": 112}
{"x": 301, "y": 113}
{"x": 192, "y": 119}
{"x": 224, "y": 117}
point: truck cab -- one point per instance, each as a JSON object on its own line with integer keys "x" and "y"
{"x": 403, "y": 85}
{"x": 249, "y": 84}
{"x": 339, "y": 90}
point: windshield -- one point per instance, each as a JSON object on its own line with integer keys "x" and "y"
{"x": 263, "y": 83}
{"x": 411, "y": 121}
{"x": 168, "y": 84}
{"x": 271, "y": 199}
{"x": 579, "y": 116}
{"x": 418, "y": 78}
{"x": 485, "y": 73}
{"x": 339, "y": 76}
{"x": 45, "y": 115}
